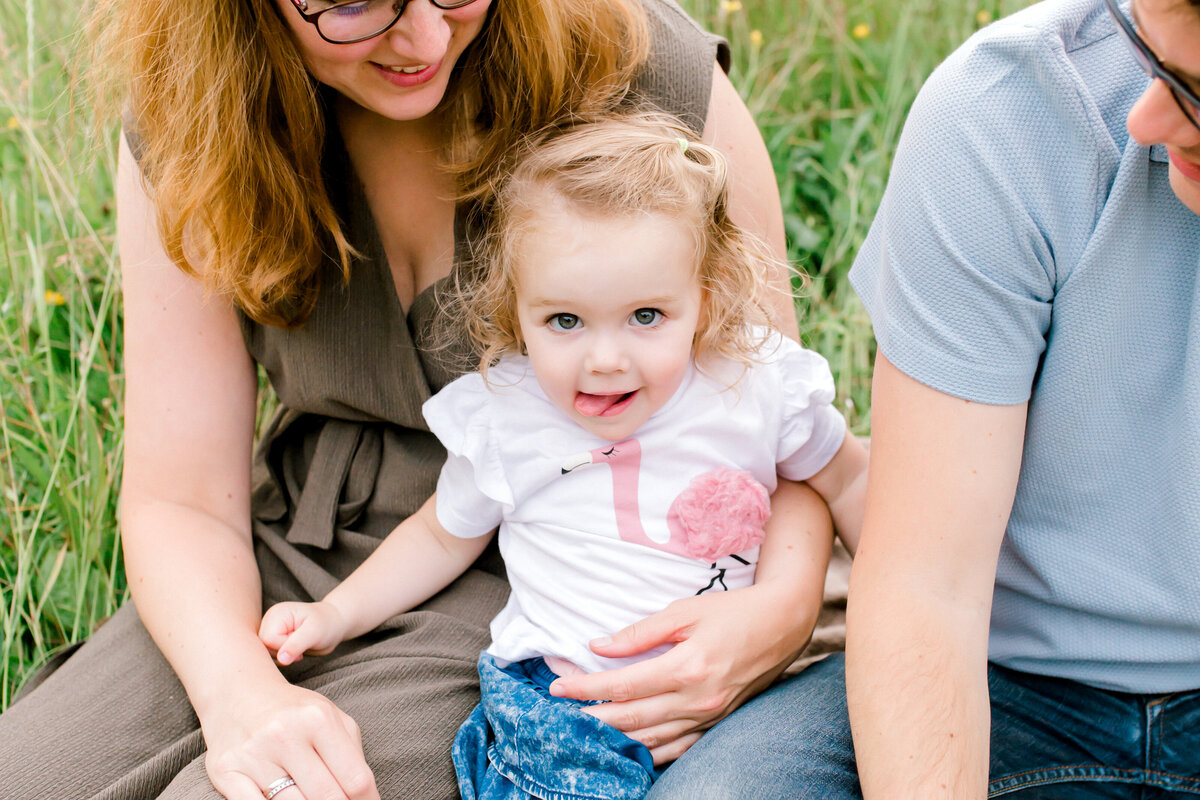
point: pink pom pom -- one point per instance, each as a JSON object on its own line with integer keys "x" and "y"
{"x": 722, "y": 512}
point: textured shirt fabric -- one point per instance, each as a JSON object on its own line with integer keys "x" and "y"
{"x": 1027, "y": 249}
{"x": 586, "y": 526}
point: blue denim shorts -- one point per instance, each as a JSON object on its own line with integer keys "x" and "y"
{"x": 521, "y": 742}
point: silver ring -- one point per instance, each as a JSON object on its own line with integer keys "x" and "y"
{"x": 278, "y": 786}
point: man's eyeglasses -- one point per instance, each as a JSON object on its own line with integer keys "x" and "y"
{"x": 1185, "y": 96}
{"x": 359, "y": 20}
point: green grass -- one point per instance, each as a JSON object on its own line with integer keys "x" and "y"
{"x": 828, "y": 82}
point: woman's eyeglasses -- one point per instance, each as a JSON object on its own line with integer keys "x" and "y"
{"x": 359, "y": 20}
{"x": 1185, "y": 96}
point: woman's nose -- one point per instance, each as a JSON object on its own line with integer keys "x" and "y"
{"x": 421, "y": 32}
{"x": 1156, "y": 118}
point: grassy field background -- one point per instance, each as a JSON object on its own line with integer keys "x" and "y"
{"x": 829, "y": 83}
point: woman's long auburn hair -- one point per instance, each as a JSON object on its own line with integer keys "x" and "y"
{"x": 231, "y": 128}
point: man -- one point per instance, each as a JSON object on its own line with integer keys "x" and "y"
{"x": 1032, "y": 278}
{"x": 1024, "y": 612}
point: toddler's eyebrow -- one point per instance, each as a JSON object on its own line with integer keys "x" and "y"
{"x": 641, "y": 302}
{"x": 548, "y": 302}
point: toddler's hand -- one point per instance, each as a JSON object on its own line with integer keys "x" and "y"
{"x": 292, "y": 629}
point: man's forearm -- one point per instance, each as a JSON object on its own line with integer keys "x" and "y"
{"x": 916, "y": 684}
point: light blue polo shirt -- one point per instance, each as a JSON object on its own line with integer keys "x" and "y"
{"x": 1028, "y": 249}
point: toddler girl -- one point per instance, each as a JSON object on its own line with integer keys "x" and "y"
{"x": 624, "y": 432}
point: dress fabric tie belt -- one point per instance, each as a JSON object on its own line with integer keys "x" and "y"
{"x": 339, "y": 482}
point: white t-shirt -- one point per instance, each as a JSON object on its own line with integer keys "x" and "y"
{"x": 597, "y": 535}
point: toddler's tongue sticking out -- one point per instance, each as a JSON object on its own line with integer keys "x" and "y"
{"x": 602, "y": 405}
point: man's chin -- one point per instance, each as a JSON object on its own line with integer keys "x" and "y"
{"x": 1188, "y": 191}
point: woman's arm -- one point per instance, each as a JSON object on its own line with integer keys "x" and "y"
{"x": 942, "y": 480}
{"x": 185, "y": 523}
{"x": 753, "y": 194}
{"x": 729, "y": 646}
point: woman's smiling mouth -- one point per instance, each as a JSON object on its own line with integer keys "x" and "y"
{"x": 407, "y": 75}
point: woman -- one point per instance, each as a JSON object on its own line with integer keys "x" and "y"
{"x": 287, "y": 192}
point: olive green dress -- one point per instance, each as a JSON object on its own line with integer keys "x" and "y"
{"x": 346, "y": 458}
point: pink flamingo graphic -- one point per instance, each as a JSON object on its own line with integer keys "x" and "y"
{"x": 721, "y": 513}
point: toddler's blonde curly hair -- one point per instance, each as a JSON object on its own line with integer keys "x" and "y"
{"x": 639, "y": 163}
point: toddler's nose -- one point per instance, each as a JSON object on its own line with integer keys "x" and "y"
{"x": 606, "y": 355}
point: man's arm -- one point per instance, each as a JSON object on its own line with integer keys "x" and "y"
{"x": 753, "y": 194}
{"x": 943, "y": 476}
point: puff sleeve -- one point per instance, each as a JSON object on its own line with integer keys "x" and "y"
{"x": 812, "y": 430}
{"x": 472, "y": 492}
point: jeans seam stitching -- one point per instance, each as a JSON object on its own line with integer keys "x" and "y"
{"x": 1158, "y": 778}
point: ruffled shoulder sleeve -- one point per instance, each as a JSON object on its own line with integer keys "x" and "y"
{"x": 812, "y": 429}
{"x": 472, "y": 492}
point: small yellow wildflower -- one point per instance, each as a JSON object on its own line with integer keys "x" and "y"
{"x": 732, "y": 5}
{"x": 13, "y": 124}
{"x": 756, "y": 38}
{"x": 983, "y": 17}
{"x": 861, "y": 31}
{"x": 54, "y": 298}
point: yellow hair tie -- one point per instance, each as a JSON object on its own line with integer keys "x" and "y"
{"x": 683, "y": 144}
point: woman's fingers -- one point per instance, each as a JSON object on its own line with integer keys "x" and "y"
{"x": 655, "y": 736}
{"x": 288, "y": 731}
{"x": 284, "y": 787}
{"x": 666, "y": 627}
{"x": 236, "y": 786}
{"x": 717, "y": 662}
{"x": 674, "y": 749}
{"x": 312, "y": 776}
{"x": 663, "y": 673}
{"x": 342, "y": 754}
{"x": 327, "y": 763}
{"x": 654, "y": 676}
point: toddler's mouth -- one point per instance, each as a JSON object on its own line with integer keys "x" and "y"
{"x": 603, "y": 405}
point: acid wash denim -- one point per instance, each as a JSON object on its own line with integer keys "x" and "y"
{"x": 520, "y": 742}
{"x": 1051, "y": 738}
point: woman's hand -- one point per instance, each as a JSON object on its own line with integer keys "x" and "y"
{"x": 729, "y": 646}
{"x": 289, "y": 630}
{"x": 279, "y": 730}
{"x": 718, "y": 662}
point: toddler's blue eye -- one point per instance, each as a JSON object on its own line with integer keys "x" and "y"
{"x": 645, "y": 317}
{"x": 564, "y": 322}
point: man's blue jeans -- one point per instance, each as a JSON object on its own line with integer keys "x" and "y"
{"x": 1051, "y": 738}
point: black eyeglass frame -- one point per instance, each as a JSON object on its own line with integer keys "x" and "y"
{"x": 1183, "y": 94}
{"x": 301, "y": 7}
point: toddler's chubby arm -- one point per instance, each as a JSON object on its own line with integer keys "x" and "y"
{"x": 416, "y": 561}
{"x": 842, "y": 484}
